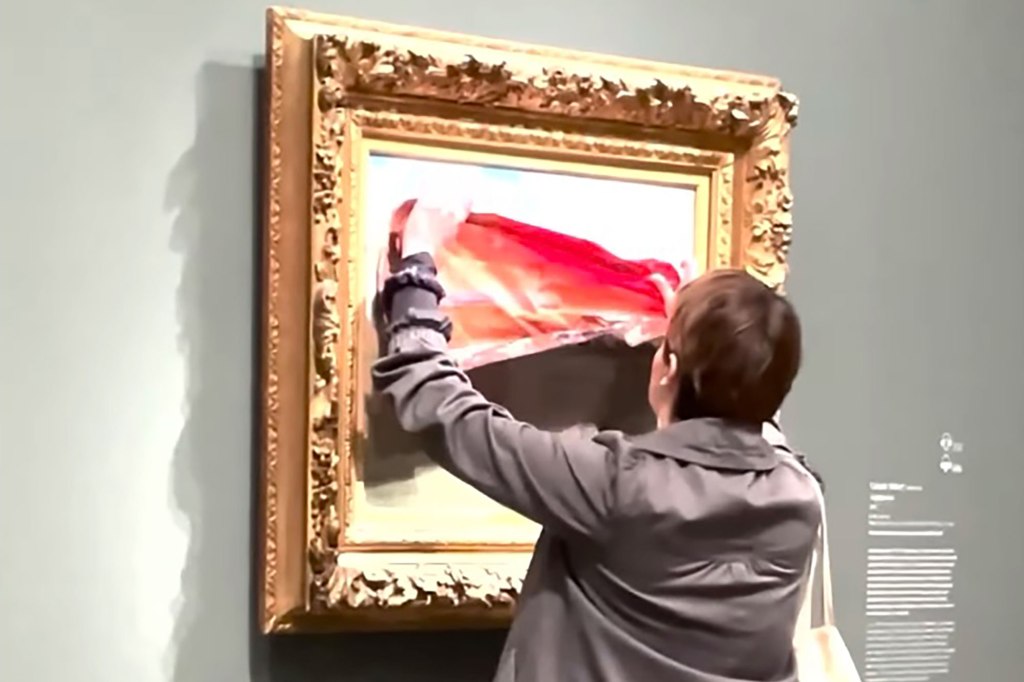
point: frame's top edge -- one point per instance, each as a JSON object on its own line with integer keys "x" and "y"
{"x": 317, "y": 22}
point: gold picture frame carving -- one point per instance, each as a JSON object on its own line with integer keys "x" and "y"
{"x": 337, "y": 84}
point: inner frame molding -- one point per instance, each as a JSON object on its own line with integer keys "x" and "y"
{"x": 336, "y": 85}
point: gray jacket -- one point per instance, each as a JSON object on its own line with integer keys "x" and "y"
{"x": 673, "y": 556}
{"x": 676, "y": 555}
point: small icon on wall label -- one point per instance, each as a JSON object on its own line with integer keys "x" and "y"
{"x": 950, "y": 447}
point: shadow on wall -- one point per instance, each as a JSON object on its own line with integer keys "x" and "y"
{"x": 215, "y": 190}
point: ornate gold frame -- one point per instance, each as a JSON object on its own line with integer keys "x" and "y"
{"x": 333, "y": 83}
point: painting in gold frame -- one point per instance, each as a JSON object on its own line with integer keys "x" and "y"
{"x": 348, "y": 540}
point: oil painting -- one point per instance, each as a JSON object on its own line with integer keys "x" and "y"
{"x": 511, "y": 299}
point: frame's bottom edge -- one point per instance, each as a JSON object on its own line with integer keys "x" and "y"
{"x": 400, "y": 619}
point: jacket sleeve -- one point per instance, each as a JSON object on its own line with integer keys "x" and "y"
{"x": 564, "y": 482}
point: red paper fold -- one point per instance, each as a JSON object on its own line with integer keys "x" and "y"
{"x": 515, "y": 289}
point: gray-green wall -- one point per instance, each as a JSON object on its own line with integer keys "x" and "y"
{"x": 128, "y": 216}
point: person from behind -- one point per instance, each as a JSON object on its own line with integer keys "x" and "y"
{"x": 677, "y": 555}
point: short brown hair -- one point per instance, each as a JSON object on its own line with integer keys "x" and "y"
{"x": 738, "y": 346}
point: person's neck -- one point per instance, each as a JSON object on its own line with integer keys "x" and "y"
{"x": 664, "y": 417}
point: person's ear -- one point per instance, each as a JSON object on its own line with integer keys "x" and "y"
{"x": 672, "y": 371}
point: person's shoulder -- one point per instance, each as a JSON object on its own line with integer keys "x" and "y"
{"x": 798, "y": 486}
{"x": 773, "y": 434}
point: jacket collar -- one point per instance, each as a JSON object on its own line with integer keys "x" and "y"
{"x": 712, "y": 443}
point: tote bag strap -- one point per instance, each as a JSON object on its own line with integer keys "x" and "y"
{"x": 804, "y": 621}
{"x": 820, "y": 557}
{"x": 828, "y": 607}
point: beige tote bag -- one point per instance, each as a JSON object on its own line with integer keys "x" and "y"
{"x": 821, "y": 654}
